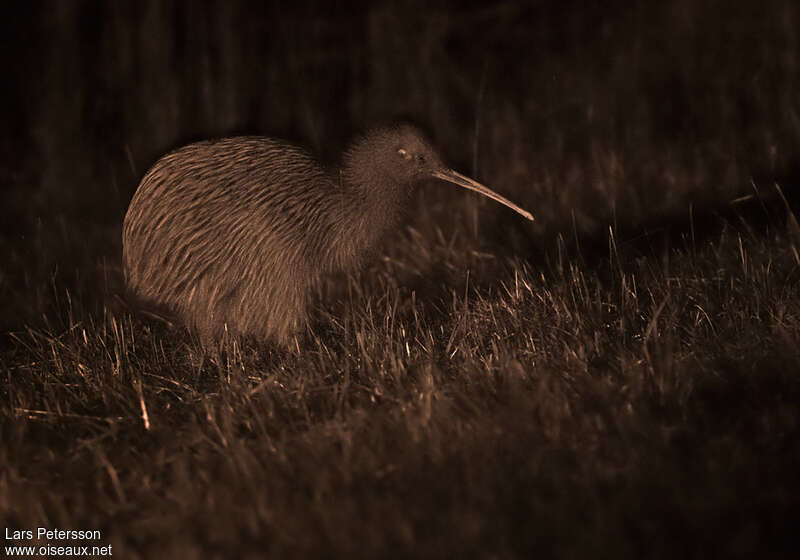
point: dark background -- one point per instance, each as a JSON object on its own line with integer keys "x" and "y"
{"x": 584, "y": 112}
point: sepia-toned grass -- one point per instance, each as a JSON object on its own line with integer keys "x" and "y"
{"x": 646, "y": 405}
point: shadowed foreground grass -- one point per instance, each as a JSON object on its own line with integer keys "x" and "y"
{"x": 644, "y": 405}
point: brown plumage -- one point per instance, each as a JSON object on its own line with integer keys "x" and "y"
{"x": 238, "y": 232}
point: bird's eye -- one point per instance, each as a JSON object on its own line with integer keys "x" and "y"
{"x": 421, "y": 158}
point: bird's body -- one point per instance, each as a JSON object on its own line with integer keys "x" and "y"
{"x": 236, "y": 233}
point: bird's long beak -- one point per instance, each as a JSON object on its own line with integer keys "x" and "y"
{"x": 463, "y": 181}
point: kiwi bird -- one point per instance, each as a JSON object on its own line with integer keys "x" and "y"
{"x": 236, "y": 233}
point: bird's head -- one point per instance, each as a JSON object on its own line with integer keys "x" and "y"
{"x": 395, "y": 160}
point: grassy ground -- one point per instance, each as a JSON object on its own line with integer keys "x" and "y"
{"x": 619, "y": 379}
{"x": 647, "y": 405}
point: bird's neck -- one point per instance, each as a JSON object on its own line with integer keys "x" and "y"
{"x": 372, "y": 206}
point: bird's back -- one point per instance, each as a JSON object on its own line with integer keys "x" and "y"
{"x": 221, "y": 188}
{"x": 237, "y": 220}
